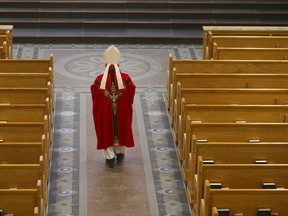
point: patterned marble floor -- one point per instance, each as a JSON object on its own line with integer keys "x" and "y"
{"x": 150, "y": 180}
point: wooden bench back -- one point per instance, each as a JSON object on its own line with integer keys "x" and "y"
{"x": 28, "y": 66}
{"x": 257, "y": 41}
{"x": 226, "y": 96}
{"x": 26, "y": 131}
{"x": 234, "y": 53}
{"x": 15, "y": 95}
{"x": 230, "y": 132}
{"x": 237, "y": 176}
{"x": 24, "y": 202}
{"x": 234, "y": 153}
{"x": 6, "y": 36}
{"x": 229, "y": 113}
{"x": 218, "y": 80}
{"x": 21, "y": 176}
{"x": 221, "y": 66}
{"x": 225, "y": 132}
{"x": 24, "y": 112}
{"x": 21, "y": 153}
{"x": 24, "y": 79}
{"x": 232, "y": 96}
{"x": 3, "y": 50}
{"x": 240, "y": 200}
{"x": 211, "y": 31}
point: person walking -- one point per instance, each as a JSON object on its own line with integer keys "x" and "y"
{"x": 112, "y": 97}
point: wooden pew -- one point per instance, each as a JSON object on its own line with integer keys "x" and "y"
{"x": 240, "y": 175}
{"x": 25, "y": 176}
{"x": 247, "y": 201}
{"x": 211, "y": 31}
{"x": 14, "y": 95}
{"x": 29, "y": 95}
{"x": 221, "y": 80}
{"x": 234, "y": 53}
{"x": 22, "y": 176}
{"x": 24, "y": 202}
{"x": 24, "y": 112}
{"x": 37, "y": 70}
{"x": 230, "y": 132}
{"x": 32, "y": 80}
{"x": 225, "y": 80}
{"x": 28, "y": 74}
{"x": 227, "y": 113}
{"x": 21, "y": 152}
{"x": 6, "y": 31}
{"x": 29, "y": 113}
{"x": 258, "y": 41}
{"x": 28, "y": 66}
{"x": 38, "y": 132}
{"x": 226, "y": 96}
{"x": 3, "y": 50}
{"x": 221, "y": 66}
{"x": 236, "y": 153}
{"x": 231, "y": 80}
{"x": 7, "y": 38}
{"x": 25, "y": 152}
{"x": 26, "y": 131}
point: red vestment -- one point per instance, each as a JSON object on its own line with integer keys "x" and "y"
{"x": 112, "y": 111}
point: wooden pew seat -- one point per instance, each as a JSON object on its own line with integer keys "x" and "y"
{"x": 236, "y": 176}
{"x": 210, "y": 31}
{"x": 239, "y": 53}
{"x": 24, "y": 202}
{"x": 221, "y": 66}
{"x": 230, "y": 132}
{"x": 21, "y": 153}
{"x": 258, "y": 41}
{"x": 31, "y": 80}
{"x": 246, "y": 201}
{"x": 24, "y": 112}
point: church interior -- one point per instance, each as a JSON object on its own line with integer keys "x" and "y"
{"x": 209, "y": 113}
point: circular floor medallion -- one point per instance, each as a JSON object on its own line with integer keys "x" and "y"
{"x": 86, "y": 66}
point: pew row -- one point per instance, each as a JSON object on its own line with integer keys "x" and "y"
{"x": 24, "y": 112}
{"x": 28, "y": 66}
{"x": 32, "y": 80}
{"x": 226, "y": 96}
{"x": 24, "y": 202}
{"x": 25, "y": 176}
{"x": 226, "y": 113}
{"x": 3, "y": 50}
{"x": 233, "y": 153}
{"x": 21, "y": 152}
{"x": 6, "y": 34}
{"x": 28, "y": 133}
{"x": 230, "y": 132}
{"x": 239, "y": 53}
{"x": 245, "y": 41}
{"x": 22, "y": 176}
{"x": 14, "y": 95}
{"x": 221, "y": 66}
{"x": 211, "y": 31}
{"x": 234, "y": 174}
{"x": 246, "y": 201}
{"x": 223, "y": 80}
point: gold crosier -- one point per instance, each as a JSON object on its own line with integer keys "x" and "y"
{"x": 114, "y": 96}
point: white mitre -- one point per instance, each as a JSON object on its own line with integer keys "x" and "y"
{"x": 112, "y": 57}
